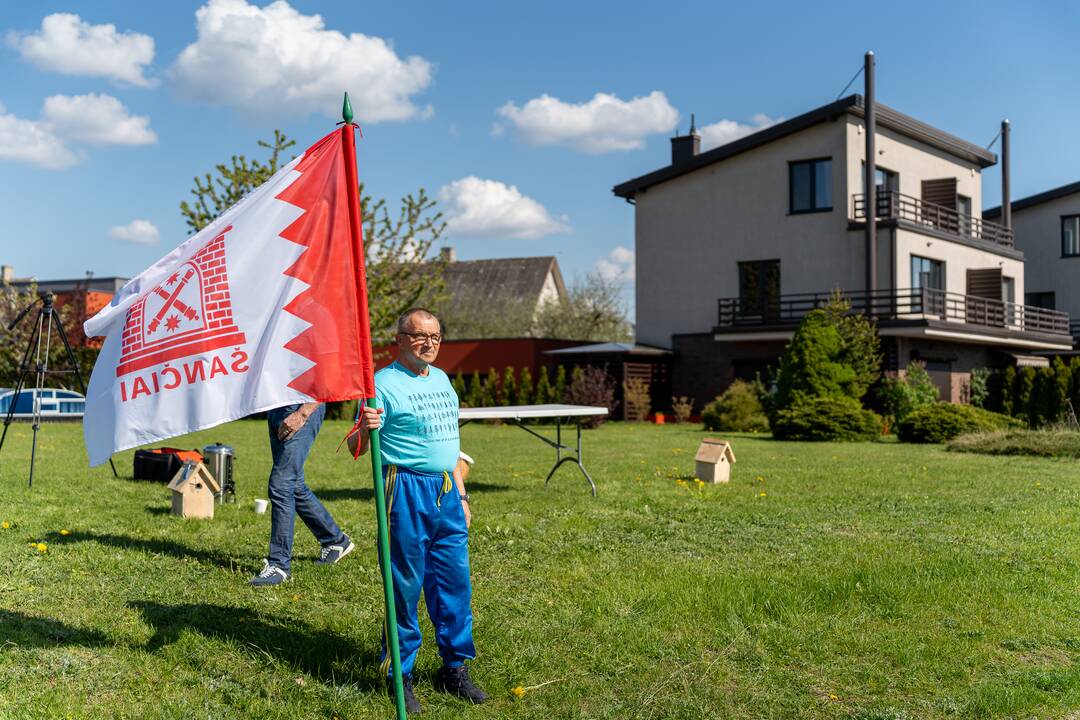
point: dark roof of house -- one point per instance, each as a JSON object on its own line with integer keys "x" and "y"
{"x": 609, "y": 348}
{"x": 853, "y": 104}
{"x": 1037, "y": 199}
{"x": 471, "y": 283}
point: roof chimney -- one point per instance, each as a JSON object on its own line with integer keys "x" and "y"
{"x": 447, "y": 254}
{"x": 685, "y": 147}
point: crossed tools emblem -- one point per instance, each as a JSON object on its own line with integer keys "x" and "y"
{"x": 172, "y": 300}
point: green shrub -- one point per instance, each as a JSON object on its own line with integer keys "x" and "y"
{"x": 943, "y": 421}
{"x": 474, "y": 397}
{"x": 525, "y": 388}
{"x": 979, "y": 387}
{"x": 826, "y": 418}
{"x": 459, "y": 386}
{"x": 1036, "y": 443}
{"x": 591, "y": 385}
{"x": 1022, "y": 390}
{"x": 508, "y": 389}
{"x": 1008, "y": 383}
{"x": 544, "y": 393}
{"x": 899, "y": 397}
{"x": 491, "y": 389}
{"x": 809, "y": 367}
{"x": 737, "y": 409}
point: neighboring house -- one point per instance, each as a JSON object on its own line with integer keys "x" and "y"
{"x": 1047, "y": 227}
{"x": 491, "y": 287}
{"x": 83, "y": 298}
{"x": 741, "y": 241}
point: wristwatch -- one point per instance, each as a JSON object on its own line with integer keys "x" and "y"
{"x": 465, "y": 497}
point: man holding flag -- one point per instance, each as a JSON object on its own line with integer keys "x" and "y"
{"x": 416, "y": 410}
{"x": 265, "y": 307}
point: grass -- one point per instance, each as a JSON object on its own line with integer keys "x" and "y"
{"x": 827, "y": 580}
{"x": 1036, "y": 443}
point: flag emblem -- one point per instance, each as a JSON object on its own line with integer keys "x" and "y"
{"x": 189, "y": 313}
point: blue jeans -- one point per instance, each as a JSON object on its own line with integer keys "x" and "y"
{"x": 289, "y": 495}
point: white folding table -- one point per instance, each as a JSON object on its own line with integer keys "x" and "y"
{"x": 520, "y": 414}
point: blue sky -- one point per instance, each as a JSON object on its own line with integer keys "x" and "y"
{"x": 443, "y": 93}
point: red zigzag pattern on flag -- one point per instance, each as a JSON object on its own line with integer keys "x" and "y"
{"x": 331, "y": 302}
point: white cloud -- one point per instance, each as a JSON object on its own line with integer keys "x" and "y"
{"x": 140, "y": 232}
{"x": 68, "y": 45}
{"x": 618, "y": 265}
{"x": 96, "y": 119}
{"x": 275, "y": 60}
{"x": 32, "y": 142}
{"x": 725, "y": 131}
{"x": 604, "y": 124}
{"x": 489, "y": 208}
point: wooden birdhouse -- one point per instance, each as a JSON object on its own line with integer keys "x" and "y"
{"x": 714, "y": 460}
{"x": 193, "y": 490}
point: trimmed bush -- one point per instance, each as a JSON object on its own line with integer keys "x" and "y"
{"x": 590, "y": 385}
{"x": 901, "y": 396}
{"x": 941, "y": 422}
{"x": 737, "y": 409}
{"x": 826, "y": 418}
{"x": 810, "y": 366}
{"x": 1034, "y": 443}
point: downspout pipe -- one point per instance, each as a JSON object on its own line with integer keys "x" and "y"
{"x": 870, "y": 181}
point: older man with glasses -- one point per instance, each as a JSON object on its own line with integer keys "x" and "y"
{"x": 417, "y": 411}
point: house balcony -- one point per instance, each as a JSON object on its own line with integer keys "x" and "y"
{"x": 906, "y": 312}
{"x": 916, "y": 214}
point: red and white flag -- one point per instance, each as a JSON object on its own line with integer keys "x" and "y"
{"x": 264, "y": 307}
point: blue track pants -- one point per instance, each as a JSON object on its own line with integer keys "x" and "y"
{"x": 429, "y": 551}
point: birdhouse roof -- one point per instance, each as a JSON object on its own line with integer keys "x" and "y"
{"x": 192, "y": 472}
{"x": 713, "y": 450}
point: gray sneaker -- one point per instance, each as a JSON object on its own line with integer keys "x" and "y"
{"x": 330, "y": 554}
{"x": 269, "y": 575}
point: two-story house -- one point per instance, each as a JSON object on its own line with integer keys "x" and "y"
{"x": 1047, "y": 227}
{"x": 736, "y": 244}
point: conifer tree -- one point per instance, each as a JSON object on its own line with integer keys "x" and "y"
{"x": 508, "y": 396}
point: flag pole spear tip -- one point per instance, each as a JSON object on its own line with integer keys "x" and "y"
{"x": 346, "y": 110}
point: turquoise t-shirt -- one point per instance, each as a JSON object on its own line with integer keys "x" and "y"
{"x": 420, "y": 419}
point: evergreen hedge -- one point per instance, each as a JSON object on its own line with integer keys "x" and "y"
{"x": 943, "y": 421}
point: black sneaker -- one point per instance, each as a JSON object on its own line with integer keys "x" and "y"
{"x": 412, "y": 705}
{"x": 330, "y": 554}
{"x": 455, "y": 681}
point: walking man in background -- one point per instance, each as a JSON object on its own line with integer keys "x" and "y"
{"x": 293, "y": 429}
{"x": 417, "y": 410}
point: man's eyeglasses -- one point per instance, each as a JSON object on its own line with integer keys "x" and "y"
{"x": 418, "y": 338}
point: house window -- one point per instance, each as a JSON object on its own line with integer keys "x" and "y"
{"x": 927, "y": 273}
{"x": 1008, "y": 289}
{"x": 1043, "y": 300}
{"x": 759, "y": 288}
{"x": 888, "y": 182}
{"x": 927, "y": 276}
{"x": 810, "y": 185}
{"x": 1070, "y": 235}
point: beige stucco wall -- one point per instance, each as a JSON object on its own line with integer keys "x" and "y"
{"x": 958, "y": 260}
{"x": 691, "y": 232}
{"x": 1038, "y": 234}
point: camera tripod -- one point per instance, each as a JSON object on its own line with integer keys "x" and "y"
{"x": 39, "y": 344}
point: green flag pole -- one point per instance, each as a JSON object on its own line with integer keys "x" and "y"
{"x": 349, "y": 145}
{"x": 384, "y": 563}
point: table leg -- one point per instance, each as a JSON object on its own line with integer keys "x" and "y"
{"x": 576, "y": 459}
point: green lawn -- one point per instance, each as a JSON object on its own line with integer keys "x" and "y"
{"x": 826, "y": 580}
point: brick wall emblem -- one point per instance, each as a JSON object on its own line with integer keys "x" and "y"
{"x": 188, "y": 314}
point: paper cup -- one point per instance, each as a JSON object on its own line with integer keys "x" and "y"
{"x": 260, "y": 506}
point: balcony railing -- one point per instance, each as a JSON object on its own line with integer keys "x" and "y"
{"x": 893, "y": 205}
{"x": 905, "y": 304}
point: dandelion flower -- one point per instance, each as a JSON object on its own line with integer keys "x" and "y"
{"x": 762, "y": 494}
{"x": 5, "y": 525}
{"x": 833, "y": 697}
{"x": 65, "y": 531}
{"x": 518, "y": 692}
{"x": 41, "y": 547}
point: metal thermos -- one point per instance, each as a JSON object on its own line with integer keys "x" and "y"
{"x": 219, "y": 458}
